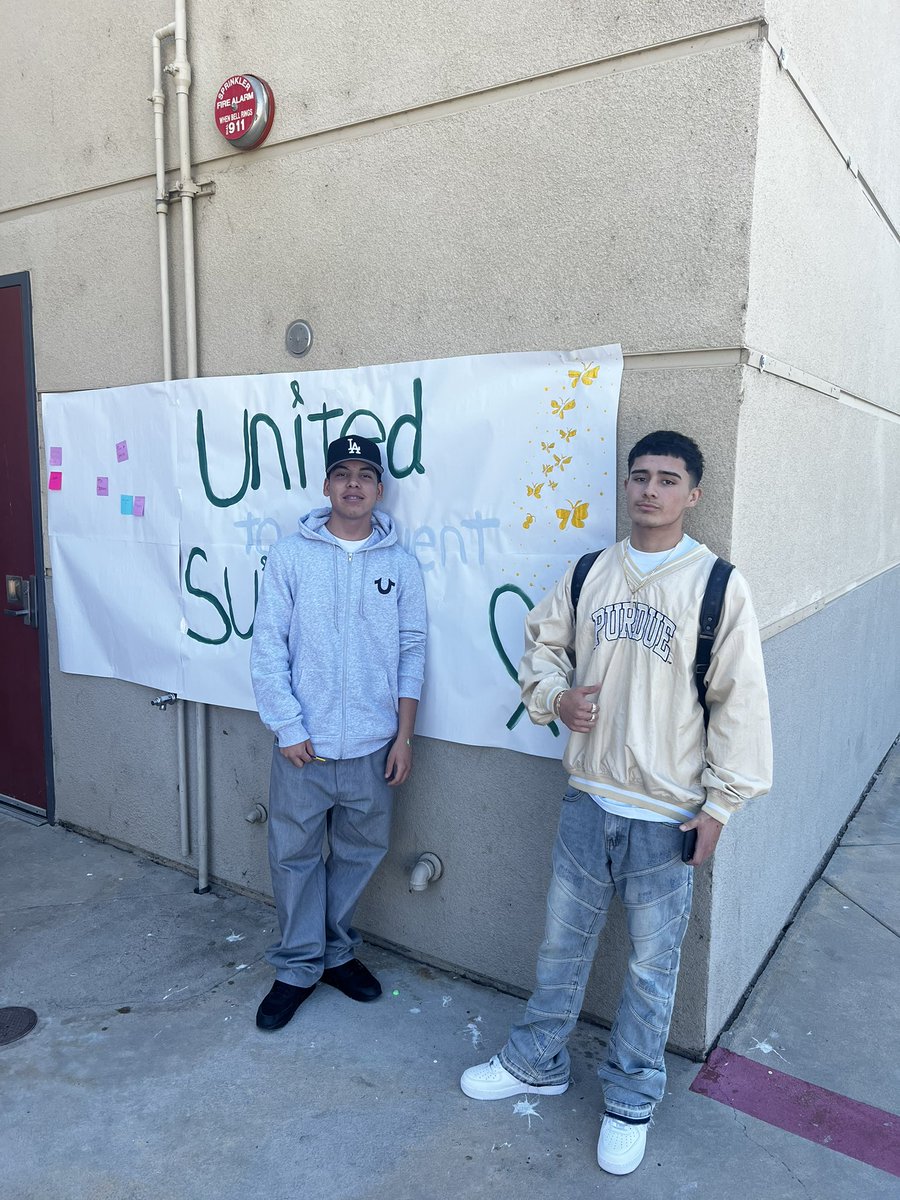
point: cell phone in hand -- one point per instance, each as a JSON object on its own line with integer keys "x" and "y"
{"x": 688, "y": 845}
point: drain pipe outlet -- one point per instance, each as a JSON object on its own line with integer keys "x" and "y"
{"x": 428, "y": 869}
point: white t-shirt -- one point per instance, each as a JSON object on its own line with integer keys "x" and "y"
{"x": 646, "y": 563}
{"x": 346, "y": 544}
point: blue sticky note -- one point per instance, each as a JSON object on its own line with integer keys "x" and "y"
{"x": 127, "y": 506}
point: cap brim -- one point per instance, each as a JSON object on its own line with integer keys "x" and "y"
{"x": 340, "y": 463}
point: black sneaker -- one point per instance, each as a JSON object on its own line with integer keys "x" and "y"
{"x": 280, "y": 1005}
{"x": 354, "y": 980}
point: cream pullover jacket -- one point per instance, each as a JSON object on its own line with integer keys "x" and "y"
{"x": 636, "y": 639}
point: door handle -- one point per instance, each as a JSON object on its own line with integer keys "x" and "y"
{"x": 19, "y": 594}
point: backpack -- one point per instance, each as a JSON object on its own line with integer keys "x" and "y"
{"x": 710, "y": 614}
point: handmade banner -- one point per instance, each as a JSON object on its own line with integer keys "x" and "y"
{"x": 165, "y": 498}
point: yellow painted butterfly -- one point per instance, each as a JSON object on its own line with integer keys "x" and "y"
{"x": 558, "y": 408}
{"x": 586, "y": 377}
{"x": 577, "y": 512}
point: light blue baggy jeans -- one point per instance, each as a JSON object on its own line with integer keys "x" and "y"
{"x": 350, "y": 800}
{"x": 597, "y": 855}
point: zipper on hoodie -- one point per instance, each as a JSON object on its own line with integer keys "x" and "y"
{"x": 344, "y": 650}
{"x": 349, "y": 554}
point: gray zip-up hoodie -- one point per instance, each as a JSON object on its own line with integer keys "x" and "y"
{"x": 337, "y": 638}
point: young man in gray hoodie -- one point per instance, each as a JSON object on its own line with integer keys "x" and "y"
{"x": 337, "y": 663}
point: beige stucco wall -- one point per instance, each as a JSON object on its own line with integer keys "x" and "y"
{"x": 825, "y": 268}
{"x": 815, "y": 526}
{"x": 824, "y": 298}
{"x": 848, "y": 57}
{"x": 329, "y": 66}
{"x": 609, "y": 209}
{"x": 448, "y": 179}
{"x": 825, "y": 468}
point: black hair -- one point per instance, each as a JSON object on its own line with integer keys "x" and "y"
{"x": 677, "y": 445}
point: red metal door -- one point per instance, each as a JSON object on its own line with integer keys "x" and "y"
{"x": 24, "y": 739}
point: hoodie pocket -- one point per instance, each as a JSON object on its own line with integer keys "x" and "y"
{"x": 319, "y": 693}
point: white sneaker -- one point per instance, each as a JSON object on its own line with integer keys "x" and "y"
{"x": 492, "y": 1081}
{"x": 621, "y": 1146}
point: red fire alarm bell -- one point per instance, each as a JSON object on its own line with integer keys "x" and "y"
{"x": 245, "y": 109}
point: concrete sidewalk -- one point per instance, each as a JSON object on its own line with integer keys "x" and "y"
{"x": 146, "y": 1076}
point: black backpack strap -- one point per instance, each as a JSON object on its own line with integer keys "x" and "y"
{"x": 579, "y": 575}
{"x": 710, "y": 615}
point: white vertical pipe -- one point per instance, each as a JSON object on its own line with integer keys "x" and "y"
{"x": 183, "y": 817}
{"x": 188, "y": 189}
{"x": 158, "y": 99}
{"x": 202, "y": 813}
{"x": 182, "y": 72}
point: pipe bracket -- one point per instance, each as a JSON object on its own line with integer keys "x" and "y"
{"x": 178, "y": 190}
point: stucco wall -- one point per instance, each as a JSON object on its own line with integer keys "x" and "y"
{"x": 814, "y": 526}
{"x": 329, "y": 66}
{"x": 825, "y": 268}
{"x": 812, "y": 464}
{"x": 834, "y": 687}
{"x": 848, "y": 57}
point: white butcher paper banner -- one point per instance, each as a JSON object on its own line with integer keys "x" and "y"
{"x": 164, "y": 498}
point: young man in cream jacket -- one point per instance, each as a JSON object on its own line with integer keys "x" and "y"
{"x": 642, "y": 771}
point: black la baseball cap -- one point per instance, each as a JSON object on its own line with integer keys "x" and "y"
{"x": 353, "y": 449}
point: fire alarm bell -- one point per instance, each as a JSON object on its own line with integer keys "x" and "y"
{"x": 245, "y": 109}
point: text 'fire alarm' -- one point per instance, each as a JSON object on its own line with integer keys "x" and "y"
{"x": 245, "y": 109}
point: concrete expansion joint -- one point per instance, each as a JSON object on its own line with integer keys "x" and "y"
{"x": 856, "y": 903}
{"x": 748, "y": 356}
{"x": 780, "y": 624}
{"x": 786, "y": 65}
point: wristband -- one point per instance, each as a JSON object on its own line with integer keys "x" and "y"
{"x": 557, "y": 701}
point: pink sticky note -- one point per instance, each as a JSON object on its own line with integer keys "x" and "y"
{"x": 121, "y": 451}
{"x": 138, "y": 509}
{"x": 102, "y": 485}
{"x": 56, "y": 456}
{"x": 55, "y": 484}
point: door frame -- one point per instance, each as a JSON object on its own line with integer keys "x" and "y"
{"x": 22, "y": 280}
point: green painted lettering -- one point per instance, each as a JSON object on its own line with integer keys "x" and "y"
{"x": 209, "y": 598}
{"x": 264, "y": 419}
{"x": 222, "y": 501}
{"x": 325, "y": 416}
{"x": 298, "y": 433}
{"x": 414, "y": 419}
{"x": 363, "y": 412}
{"x": 249, "y": 634}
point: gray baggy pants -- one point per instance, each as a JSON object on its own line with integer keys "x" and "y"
{"x": 315, "y": 896}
